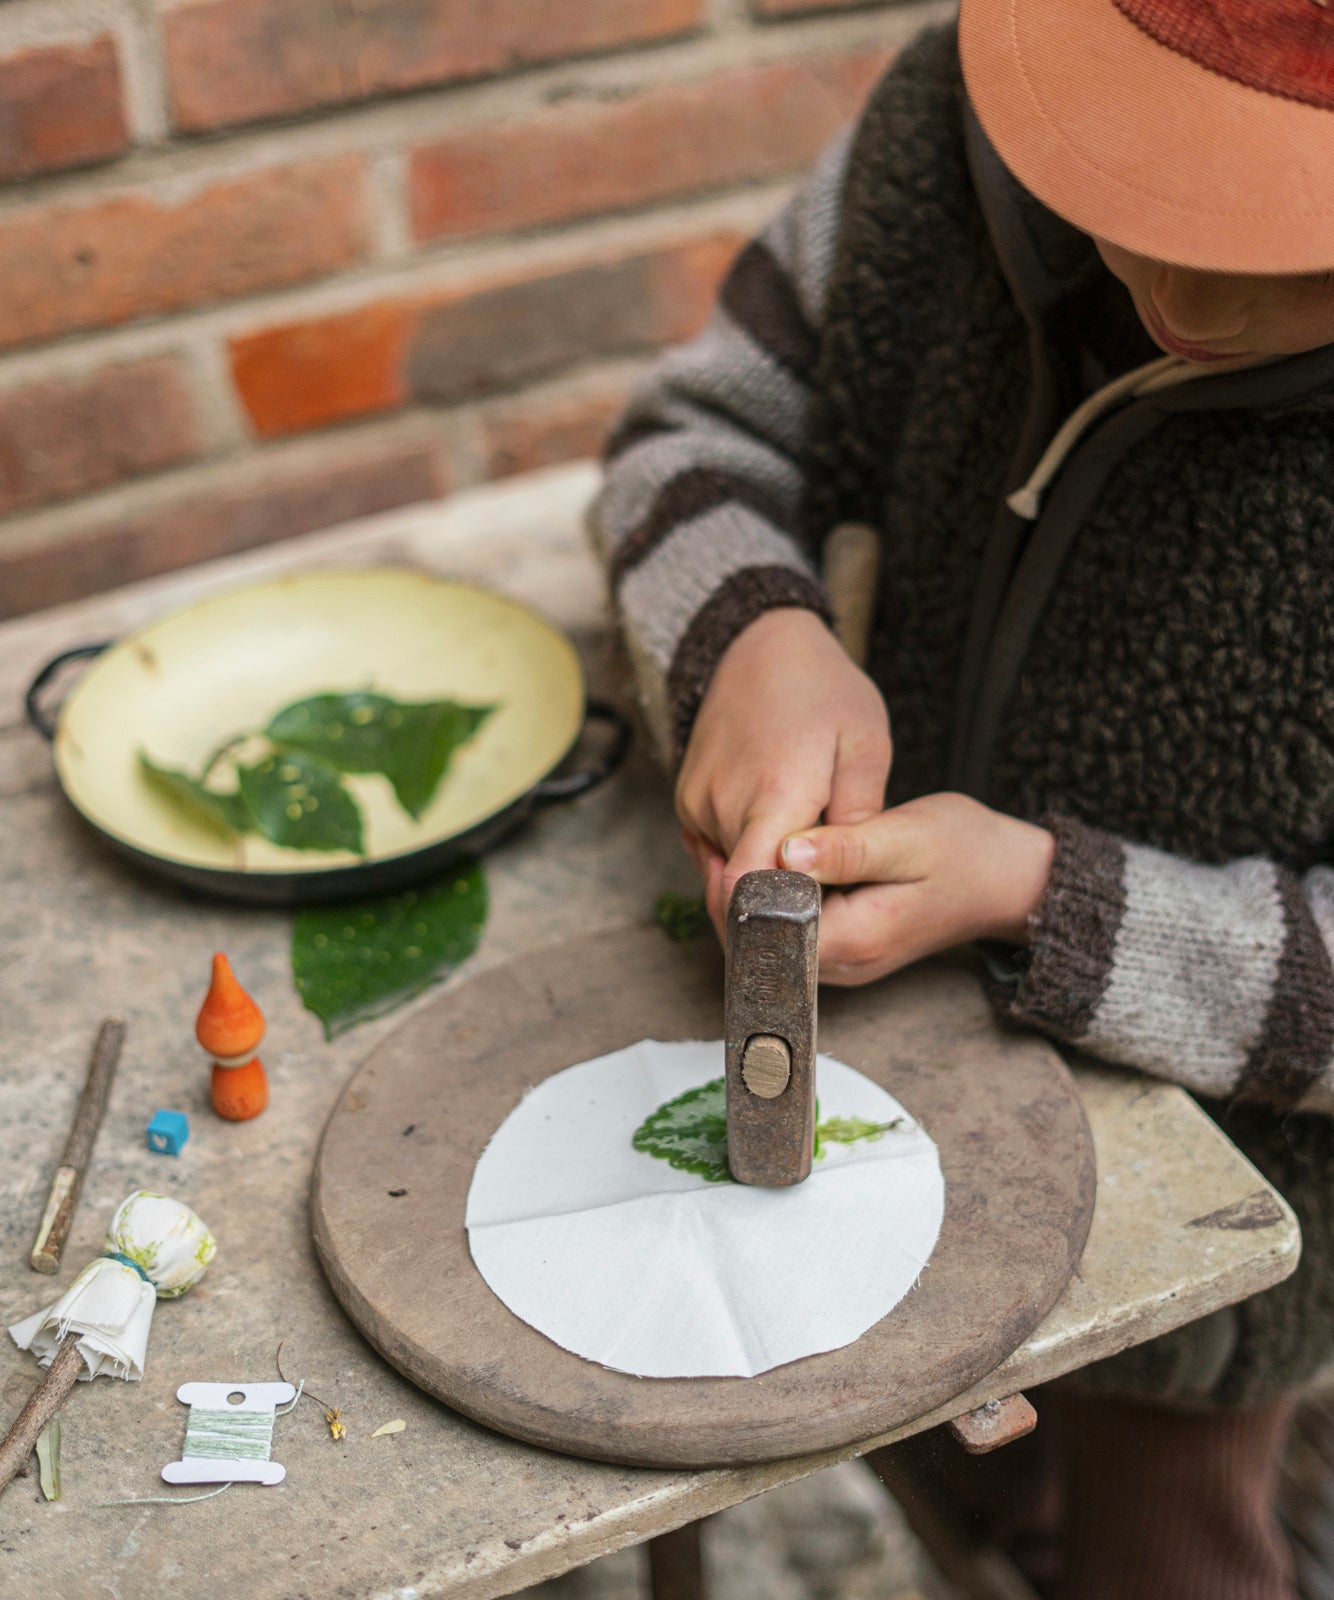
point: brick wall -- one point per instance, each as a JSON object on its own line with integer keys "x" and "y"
{"x": 269, "y": 264}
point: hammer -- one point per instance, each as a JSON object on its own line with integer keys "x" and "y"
{"x": 773, "y": 937}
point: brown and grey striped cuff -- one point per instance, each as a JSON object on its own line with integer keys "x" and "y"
{"x": 1215, "y": 977}
{"x": 1296, "y": 1044}
{"x": 1072, "y": 935}
{"x": 734, "y": 605}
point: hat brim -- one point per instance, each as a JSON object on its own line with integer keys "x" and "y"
{"x": 1135, "y": 143}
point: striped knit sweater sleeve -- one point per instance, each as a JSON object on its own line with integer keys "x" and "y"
{"x": 1216, "y": 977}
{"x": 697, "y": 520}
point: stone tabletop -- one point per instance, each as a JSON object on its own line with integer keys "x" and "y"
{"x": 441, "y": 1508}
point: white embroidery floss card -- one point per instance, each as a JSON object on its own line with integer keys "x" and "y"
{"x": 648, "y": 1269}
{"x": 229, "y": 1433}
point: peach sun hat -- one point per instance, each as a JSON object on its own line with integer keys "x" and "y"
{"x": 1196, "y": 132}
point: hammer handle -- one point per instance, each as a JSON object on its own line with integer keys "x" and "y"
{"x": 851, "y": 561}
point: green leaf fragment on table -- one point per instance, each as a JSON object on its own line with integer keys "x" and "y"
{"x": 48, "y": 1459}
{"x": 224, "y": 813}
{"x": 299, "y": 802}
{"x": 682, "y": 917}
{"x": 690, "y": 1132}
{"x": 357, "y": 961}
{"x": 410, "y": 743}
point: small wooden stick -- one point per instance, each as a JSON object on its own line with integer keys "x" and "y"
{"x": 43, "y": 1403}
{"x": 64, "y": 1196}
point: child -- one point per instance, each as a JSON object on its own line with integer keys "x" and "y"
{"x": 1105, "y": 646}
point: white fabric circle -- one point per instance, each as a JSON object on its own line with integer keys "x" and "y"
{"x": 626, "y": 1261}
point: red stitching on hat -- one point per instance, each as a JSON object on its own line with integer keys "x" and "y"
{"x": 1283, "y": 47}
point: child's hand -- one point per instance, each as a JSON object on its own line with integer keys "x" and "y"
{"x": 935, "y": 872}
{"x": 788, "y": 730}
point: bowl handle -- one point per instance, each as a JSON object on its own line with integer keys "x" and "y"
{"x": 41, "y": 719}
{"x": 570, "y": 784}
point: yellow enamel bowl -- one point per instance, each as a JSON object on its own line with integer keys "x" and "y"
{"x": 179, "y": 688}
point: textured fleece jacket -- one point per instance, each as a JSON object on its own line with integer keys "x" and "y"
{"x": 1146, "y": 665}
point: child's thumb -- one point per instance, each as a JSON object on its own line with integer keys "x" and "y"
{"x": 853, "y": 853}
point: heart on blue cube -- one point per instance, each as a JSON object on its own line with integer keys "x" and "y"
{"x": 168, "y": 1131}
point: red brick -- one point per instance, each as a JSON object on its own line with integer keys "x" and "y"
{"x": 232, "y": 61}
{"x": 206, "y": 526}
{"x": 309, "y": 374}
{"x": 68, "y": 267}
{"x": 60, "y": 106}
{"x": 528, "y": 432}
{"x": 789, "y": 8}
{"x": 67, "y": 437}
{"x": 732, "y": 127}
{"x": 499, "y": 337}
{"x": 683, "y": 280}
{"x": 484, "y": 336}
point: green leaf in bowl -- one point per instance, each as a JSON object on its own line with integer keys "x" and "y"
{"x": 357, "y": 961}
{"x": 223, "y": 813}
{"x": 410, "y": 743}
{"x": 299, "y": 802}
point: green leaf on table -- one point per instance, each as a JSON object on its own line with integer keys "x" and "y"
{"x": 224, "y": 813}
{"x": 682, "y": 917}
{"x": 410, "y": 743}
{"x": 48, "y": 1459}
{"x": 357, "y": 961}
{"x": 690, "y": 1132}
{"x": 299, "y": 802}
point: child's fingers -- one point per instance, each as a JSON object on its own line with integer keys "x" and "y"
{"x": 861, "y": 771}
{"x": 715, "y": 898}
{"x": 880, "y": 850}
{"x": 709, "y": 862}
{"x": 869, "y": 932}
{"x": 756, "y": 848}
{"x": 698, "y": 849}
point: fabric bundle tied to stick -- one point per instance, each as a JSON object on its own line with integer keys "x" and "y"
{"x": 156, "y": 1248}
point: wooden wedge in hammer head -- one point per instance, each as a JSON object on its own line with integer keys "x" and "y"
{"x": 773, "y": 941}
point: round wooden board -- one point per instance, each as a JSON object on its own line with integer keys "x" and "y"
{"x": 397, "y": 1157}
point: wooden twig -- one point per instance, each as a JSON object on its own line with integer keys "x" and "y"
{"x": 65, "y": 1186}
{"x": 43, "y": 1403}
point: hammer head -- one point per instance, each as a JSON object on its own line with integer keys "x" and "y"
{"x": 773, "y": 938}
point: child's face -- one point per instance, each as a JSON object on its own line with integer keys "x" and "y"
{"x": 1217, "y": 316}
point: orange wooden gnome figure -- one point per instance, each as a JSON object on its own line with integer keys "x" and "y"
{"x": 230, "y": 1026}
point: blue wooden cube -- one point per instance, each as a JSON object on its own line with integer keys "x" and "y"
{"x": 168, "y": 1131}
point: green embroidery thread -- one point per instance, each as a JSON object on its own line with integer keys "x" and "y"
{"x": 228, "y": 1435}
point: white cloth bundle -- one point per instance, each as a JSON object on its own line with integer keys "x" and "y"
{"x": 110, "y": 1304}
